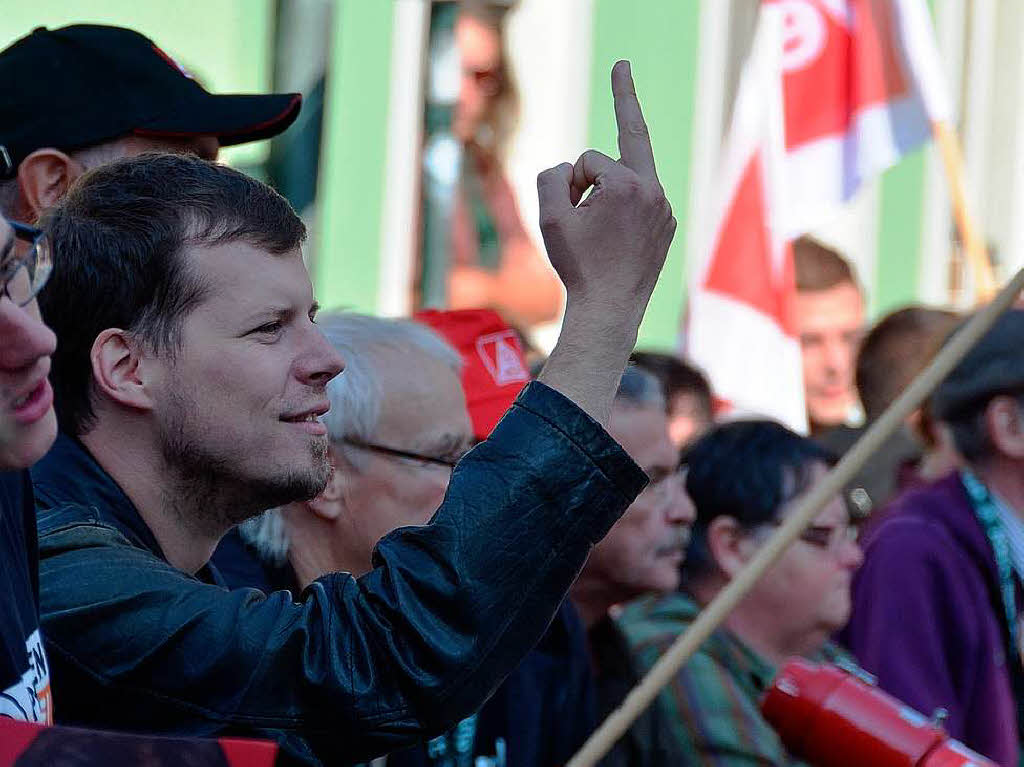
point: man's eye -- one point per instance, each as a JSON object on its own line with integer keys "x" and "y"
{"x": 269, "y": 329}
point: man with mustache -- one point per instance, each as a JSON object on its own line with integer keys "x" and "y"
{"x": 641, "y": 554}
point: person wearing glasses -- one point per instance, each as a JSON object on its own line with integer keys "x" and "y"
{"x": 640, "y": 555}
{"x": 394, "y": 441}
{"x": 28, "y": 427}
{"x": 743, "y": 478}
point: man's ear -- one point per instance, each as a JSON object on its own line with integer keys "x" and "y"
{"x": 330, "y": 503}
{"x": 43, "y": 178}
{"x": 729, "y": 545}
{"x": 119, "y": 369}
{"x": 1005, "y": 425}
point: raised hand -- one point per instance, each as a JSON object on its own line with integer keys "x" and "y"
{"x": 608, "y": 251}
{"x": 610, "y": 248}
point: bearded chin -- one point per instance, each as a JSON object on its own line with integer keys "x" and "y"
{"x": 214, "y": 484}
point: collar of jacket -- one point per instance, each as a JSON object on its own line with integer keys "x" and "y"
{"x": 68, "y": 480}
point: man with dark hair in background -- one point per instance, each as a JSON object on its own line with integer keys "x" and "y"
{"x": 83, "y": 95}
{"x": 191, "y": 380}
{"x": 895, "y": 350}
{"x": 687, "y": 395}
{"x": 830, "y": 320}
{"x": 744, "y": 478}
{"x": 935, "y": 607}
{"x": 891, "y": 355}
{"x": 640, "y": 555}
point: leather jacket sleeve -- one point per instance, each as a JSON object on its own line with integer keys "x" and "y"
{"x": 356, "y": 667}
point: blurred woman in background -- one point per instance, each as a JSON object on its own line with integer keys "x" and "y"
{"x": 494, "y": 263}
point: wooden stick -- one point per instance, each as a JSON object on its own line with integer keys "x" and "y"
{"x": 792, "y": 526}
{"x": 973, "y": 242}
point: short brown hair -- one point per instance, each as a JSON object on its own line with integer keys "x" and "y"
{"x": 895, "y": 350}
{"x": 819, "y": 267}
{"x": 120, "y": 234}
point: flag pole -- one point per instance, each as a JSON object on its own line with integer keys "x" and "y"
{"x": 685, "y": 645}
{"x": 971, "y": 239}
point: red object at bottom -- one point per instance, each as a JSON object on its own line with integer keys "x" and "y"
{"x": 32, "y": 745}
{"x": 831, "y": 718}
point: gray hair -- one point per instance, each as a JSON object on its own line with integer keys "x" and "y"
{"x": 640, "y": 388}
{"x": 355, "y": 396}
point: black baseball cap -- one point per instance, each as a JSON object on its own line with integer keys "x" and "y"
{"x": 84, "y": 84}
{"x": 994, "y": 366}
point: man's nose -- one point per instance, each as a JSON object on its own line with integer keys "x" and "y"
{"x": 680, "y": 510}
{"x": 26, "y": 338}
{"x": 837, "y": 357}
{"x": 321, "y": 361}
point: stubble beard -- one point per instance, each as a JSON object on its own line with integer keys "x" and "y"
{"x": 208, "y": 484}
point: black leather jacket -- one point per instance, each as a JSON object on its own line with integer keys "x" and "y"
{"x": 357, "y": 667}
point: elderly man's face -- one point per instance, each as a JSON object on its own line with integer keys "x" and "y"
{"x": 239, "y": 401}
{"x": 28, "y": 425}
{"x": 423, "y": 411}
{"x": 643, "y": 550}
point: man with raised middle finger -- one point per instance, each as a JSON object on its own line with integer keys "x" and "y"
{"x": 191, "y": 380}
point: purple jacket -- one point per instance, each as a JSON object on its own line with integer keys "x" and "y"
{"x": 928, "y": 620}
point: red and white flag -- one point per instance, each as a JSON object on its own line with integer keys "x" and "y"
{"x": 832, "y": 93}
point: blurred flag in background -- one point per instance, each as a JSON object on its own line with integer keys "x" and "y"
{"x": 832, "y": 93}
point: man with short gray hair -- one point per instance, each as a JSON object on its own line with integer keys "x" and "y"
{"x": 640, "y": 555}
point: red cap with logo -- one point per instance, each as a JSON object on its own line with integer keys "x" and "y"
{"x": 494, "y": 369}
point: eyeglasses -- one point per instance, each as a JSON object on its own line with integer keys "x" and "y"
{"x": 396, "y": 453}
{"x": 828, "y": 537}
{"x": 37, "y": 263}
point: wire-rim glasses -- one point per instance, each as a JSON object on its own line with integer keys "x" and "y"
{"x": 37, "y": 263}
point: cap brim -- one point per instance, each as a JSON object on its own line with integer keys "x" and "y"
{"x": 233, "y": 119}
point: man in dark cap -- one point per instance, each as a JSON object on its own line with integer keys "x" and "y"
{"x": 87, "y": 94}
{"x": 936, "y": 604}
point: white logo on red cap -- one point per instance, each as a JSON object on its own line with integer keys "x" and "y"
{"x": 501, "y": 354}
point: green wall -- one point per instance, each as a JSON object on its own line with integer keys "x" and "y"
{"x": 900, "y": 221}
{"x": 659, "y": 37}
{"x": 353, "y": 156}
{"x": 225, "y": 43}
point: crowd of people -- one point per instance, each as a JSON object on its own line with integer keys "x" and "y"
{"x": 366, "y": 538}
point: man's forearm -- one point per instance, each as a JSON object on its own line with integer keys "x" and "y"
{"x": 608, "y": 248}
{"x": 587, "y": 362}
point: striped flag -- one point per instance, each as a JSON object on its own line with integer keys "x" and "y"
{"x": 832, "y": 93}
